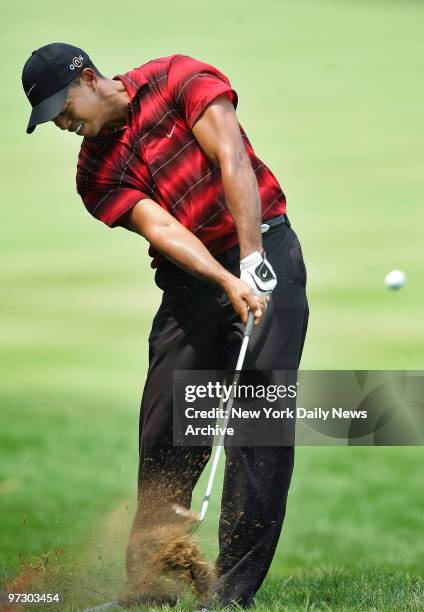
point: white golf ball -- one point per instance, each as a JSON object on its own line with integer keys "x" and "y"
{"x": 395, "y": 279}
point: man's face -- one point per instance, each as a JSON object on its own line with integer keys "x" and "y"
{"x": 82, "y": 111}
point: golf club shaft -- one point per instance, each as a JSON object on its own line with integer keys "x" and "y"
{"x": 220, "y": 445}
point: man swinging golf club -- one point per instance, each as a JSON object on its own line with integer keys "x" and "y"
{"x": 163, "y": 155}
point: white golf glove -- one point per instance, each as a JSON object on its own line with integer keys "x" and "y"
{"x": 257, "y": 272}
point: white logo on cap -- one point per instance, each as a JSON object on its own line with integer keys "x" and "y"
{"x": 30, "y": 89}
{"x": 76, "y": 62}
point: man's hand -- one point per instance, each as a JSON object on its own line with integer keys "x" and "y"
{"x": 258, "y": 273}
{"x": 243, "y": 299}
{"x": 183, "y": 248}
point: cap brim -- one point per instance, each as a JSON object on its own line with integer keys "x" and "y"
{"x": 48, "y": 109}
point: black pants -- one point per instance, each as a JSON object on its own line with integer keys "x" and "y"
{"x": 196, "y": 327}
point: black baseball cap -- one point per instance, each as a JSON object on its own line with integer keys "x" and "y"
{"x": 46, "y": 77}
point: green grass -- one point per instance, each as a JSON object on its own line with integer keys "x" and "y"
{"x": 331, "y": 97}
{"x": 367, "y": 588}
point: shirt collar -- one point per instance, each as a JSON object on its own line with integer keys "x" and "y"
{"x": 133, "y": 84}
{"x": 133, "y": 87}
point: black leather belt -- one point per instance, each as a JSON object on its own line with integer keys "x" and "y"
{"x": 275, "y": 222}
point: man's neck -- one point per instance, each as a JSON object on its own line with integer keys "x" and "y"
{"x": 116, "y": 99}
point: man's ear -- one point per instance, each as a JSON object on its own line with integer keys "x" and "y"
{"x": 89, "y": 77}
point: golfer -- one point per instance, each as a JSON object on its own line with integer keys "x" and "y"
{"x": 163, "y": 155}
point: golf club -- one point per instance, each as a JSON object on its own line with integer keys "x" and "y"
{"x": 218, "y": 449}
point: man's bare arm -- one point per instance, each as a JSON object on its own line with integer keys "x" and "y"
{"x": 218, "y": 133}
{"x": 183, "y": 248}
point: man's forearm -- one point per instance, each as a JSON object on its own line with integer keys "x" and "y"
{"x": 242, "y": 197}
{"x": 183, "y": 248}
{"x": 218, "y": 133}
{"x": 174, "y": 241}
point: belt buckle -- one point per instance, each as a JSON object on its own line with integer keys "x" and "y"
{"x": 264, "y": 228}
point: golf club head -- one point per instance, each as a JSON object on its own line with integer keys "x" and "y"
{"x": 185, "y": 513}
{"x": 193, "y": 519}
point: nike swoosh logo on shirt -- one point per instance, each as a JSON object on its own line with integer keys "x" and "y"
{"x": 171, "y": 132}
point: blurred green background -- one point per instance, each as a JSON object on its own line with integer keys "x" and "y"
{"x": 331, "y": 96}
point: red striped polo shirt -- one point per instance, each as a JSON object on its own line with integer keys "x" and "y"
{"x": 156, "y": 156}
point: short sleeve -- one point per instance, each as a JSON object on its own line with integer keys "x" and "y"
{"x": 106, "y": 193}
{"x": 109, "y": 205}
{"x": 193, "y": 85}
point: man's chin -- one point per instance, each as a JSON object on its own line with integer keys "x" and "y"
{"x": 90, "y": 131}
